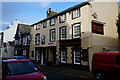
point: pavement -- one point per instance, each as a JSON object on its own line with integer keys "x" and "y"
{"x": 67, "y": 71}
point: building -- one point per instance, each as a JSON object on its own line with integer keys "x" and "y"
{"x": 72, "y": 36}
{"x": 22, "y": 40}
{"x": 1, "y": 43}
{"x": 8, "y": 39}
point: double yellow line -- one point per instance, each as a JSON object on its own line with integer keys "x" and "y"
{"x": 68, "y": 74}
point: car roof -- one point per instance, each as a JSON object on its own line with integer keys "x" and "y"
{"x": 109, "y": 53}
{"x": 16, "y": 60}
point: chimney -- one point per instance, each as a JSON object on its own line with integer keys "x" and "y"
{"x": 55, "y": 10}
{"x": 8, "y": 27}
{"x": 51, "y": 13}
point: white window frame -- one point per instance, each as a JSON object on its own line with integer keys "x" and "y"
{"x": 37, "y": 26}
{"x": 61, "y": 33}
{"x": 63, "y": 55}
{"x": 62, "y": 17}
{"x": 77, "y": 56}
{"x": 37, "y": 39}
{"x": 52, "y": 36}
{"x": 74, "y": 32}
{"x": 24, "y": 52}
{"x": 52, "y": 21}
{"x": 76, "y": 13}
{"x": 25, "y": 40}
{"x": 45, "y": 24}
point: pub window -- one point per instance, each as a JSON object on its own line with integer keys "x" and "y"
{"x": 97, "y": 28}
{"x": 77, "y": 58}
{"x": 38, "y": 26}
{"x": 62, "y": 17}
{"x": 63, "y": 33}
{"x": 63, "y": 56}
{"x": 76, "y": 13}
{"x": 45, "y": 24}
{"x": 76, "y": 30}
{"x": 43, "y": 39}
{"x": 52, "y": 35}
{"x": 37, "y": 39}
{"x": 24, "y": 52}
{"x": 52, "y": 21}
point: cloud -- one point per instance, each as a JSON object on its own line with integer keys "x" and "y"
{"x": 44, "y": 4}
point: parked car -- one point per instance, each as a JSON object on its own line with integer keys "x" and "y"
{"x": 106, "y": 65}
{"x": 20, "y": 69}
{"x": 20, "y": 57}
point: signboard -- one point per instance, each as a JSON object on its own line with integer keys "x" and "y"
{"x": 51, "y": 43}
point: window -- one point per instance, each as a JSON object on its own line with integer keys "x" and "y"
{"x": 97, "y": 28}
{"x": 76, "y": 31}
{"x": 38, "y": 26}
{"x": 32, "y": 54}
{"x": 45, "y": 24}
{"x": 25, "y": 40}
{"x": 118, "y": 60}
{"x": 52, "y": 21}
{"x": 37, "y": 39}
{"x": 43, "y": 40}
{"x": 63, "y": 56}
{"x": 77, "y": 57}
{"x": 24, "y": 52}
{"x": 62, "y": 33}
{"x": 52, "y": 35}
{"x": 76, "y": 13}
{"x": 20, "y": 41}
{"x": 62, "y": 18}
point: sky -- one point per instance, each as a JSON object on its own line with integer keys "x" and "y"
{"x": 30, "y": 12}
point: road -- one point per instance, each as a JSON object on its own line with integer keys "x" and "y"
{"x": 53, "y": 75}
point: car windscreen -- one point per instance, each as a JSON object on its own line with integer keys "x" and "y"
{"x": 21, "y": 67}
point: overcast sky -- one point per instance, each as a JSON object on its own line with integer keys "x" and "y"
{"x": 30, "y": 12}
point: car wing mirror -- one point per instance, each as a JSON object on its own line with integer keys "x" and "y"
{"x": 38, "y": 67}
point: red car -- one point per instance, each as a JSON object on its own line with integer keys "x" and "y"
{"x": 20, "y": 69}
{"x": 106, "y": 65}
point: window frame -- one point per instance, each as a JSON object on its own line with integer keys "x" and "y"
{"x": 75, "y": 57}
{"x": 51, "y": 21}
{"x": 36, "y": 41}
{"x": 37, "y": 28}
{"x": 73, "y": 29}
{"x": 60, "y": 32}
{"x": 44, "y": 24}
{"x": 65, "y": 56}
{"x": 76, "y": 13}
{"x": 62, "y": 16}
{"x": 51, "y": 35}
{"x": 24, "y": 52}
{"x": 24, "y": 40}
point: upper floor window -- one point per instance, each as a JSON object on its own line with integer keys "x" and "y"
{"x": 37, "y": 39}
{"x": 20, "y": 40}
{"x": 45, "y": 24}
{"x": 62, "y": 18}
{"x": 76, "y": 30}
{"x": 38, "y": 26}
{"x": 52, "y": 35}
{"x": 24, "y": 52}
{"x": 63, "y": 33}
{"x": 52, "y": 21}
{"x": 97, "y": 28}
{"x": 25, "y": 40}
{"x": 76, "y": 13}
{"x": 43, "y": 39}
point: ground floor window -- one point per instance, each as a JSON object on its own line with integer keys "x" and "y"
{"x": 63, "y": 56}
{"x": 37, "y": 55}
{"x": 77, "y": 56}
{"x": 24, "y": 52}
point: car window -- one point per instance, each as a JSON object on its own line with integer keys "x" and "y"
{"x": 118, "y": 60}
{"x": 21, "y": 67}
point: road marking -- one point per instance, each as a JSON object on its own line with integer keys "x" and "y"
{"x": 68, "y": 74}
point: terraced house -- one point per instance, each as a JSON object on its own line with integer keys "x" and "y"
{"x": 72, "y": 36}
